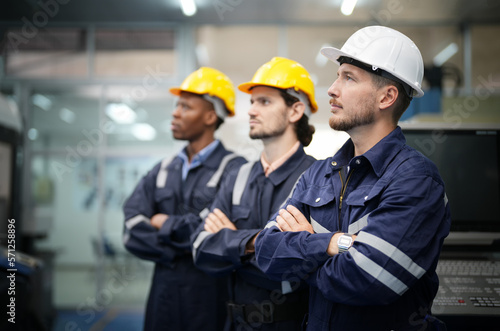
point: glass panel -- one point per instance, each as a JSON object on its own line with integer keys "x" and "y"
{"x": 67, "y": 120}
{"x": 237, "y": 51}
{"x": 46, "y": 53}
{"x": 138, "y": 119}
{"x": 134, "y": 53}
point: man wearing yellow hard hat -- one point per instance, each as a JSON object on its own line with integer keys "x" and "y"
{"x": 282, "y": 100}
{"x": 164, "y": 208}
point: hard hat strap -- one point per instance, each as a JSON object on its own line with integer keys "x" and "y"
{"x": 219, "y": 107}
{"x": 302, "y": 98}
{"x": 377, "y": 71}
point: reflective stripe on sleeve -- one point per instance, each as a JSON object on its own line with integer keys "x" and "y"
{"x": 318, "y": 228}
{"x": 204, "y": 213}
{"x": 199, "y": 239}
{"x": 392, "y": 252}
{"x": 271, "y": 224}
{"x": 131, "y": 222}
{"x": 378, "y": 272}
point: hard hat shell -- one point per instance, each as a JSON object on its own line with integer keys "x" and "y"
{"x": 283, "y": 73}
{"x": 387, "y": 49}
{"x": 209, "y": 81}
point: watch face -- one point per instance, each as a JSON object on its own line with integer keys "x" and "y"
{"x": 345, "y": 241}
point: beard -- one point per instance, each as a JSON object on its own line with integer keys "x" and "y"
{"x": 276, "y": 130}
{"x": 270, "y": 133}
{"x": 364, "y": 117}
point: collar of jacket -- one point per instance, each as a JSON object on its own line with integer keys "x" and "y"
{"x": 379, "y": 156}
{"x": 283, "y": 172}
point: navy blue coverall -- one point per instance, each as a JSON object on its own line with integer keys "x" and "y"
{"x": 181, "y": 296}
{"x": 248, "y": 199}
{"x": 394, "y": 199}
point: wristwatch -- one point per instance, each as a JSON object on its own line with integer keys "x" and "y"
{"x": 344, "y": 242}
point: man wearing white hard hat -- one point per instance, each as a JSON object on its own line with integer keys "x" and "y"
{"x": 163, "y": 210}
{"x": 365, "y": 227}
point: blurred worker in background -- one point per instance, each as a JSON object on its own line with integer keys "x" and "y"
{"x": 282, "y": 100}
{"x": 163, "y": 211}
{"x": 365, "y": 227}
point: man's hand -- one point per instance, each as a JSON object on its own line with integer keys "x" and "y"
{"x": 291, "y": 219}
{"x": 217, "y": 221}
{"x": 158, "y": 219}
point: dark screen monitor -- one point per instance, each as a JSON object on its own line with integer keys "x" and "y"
{"x": 468, "y": 159}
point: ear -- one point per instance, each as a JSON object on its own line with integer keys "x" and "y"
{"x": 296, "y": 111}
{"x": 210, "y": 117}
{"x": 389, "y": 95}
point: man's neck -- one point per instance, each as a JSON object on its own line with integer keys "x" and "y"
{"x": 367, "y": 136}
{"x": 276, "y": 147}
{"x": 195, "y": 146}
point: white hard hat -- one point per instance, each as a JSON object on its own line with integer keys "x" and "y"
{"x": 383, "y": 51}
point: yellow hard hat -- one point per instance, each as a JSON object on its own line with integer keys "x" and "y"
{"x": 212, "y": 82}
{"x": 283, "y": 73}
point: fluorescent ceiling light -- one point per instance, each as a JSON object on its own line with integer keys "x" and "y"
{"x": 32, "y": 134}
{"x": 188, "y": 7}
{"x": 121, "y": 113}
{"x": 445, "y": 54}
{"x": 67, "y": 115}
{"x": 347, "y": 7}
{"x": 41, "y": 101}
{"x": 143, "y": 131}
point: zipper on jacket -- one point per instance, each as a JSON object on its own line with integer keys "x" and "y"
{"x": 342, "y": 190}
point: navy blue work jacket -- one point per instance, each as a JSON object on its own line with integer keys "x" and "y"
{"x": 394, "y": 199}
{"x": 249, "y": 210}
{"x": 181, "y": 296}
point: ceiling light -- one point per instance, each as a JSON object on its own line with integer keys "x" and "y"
{"x": 188, "y": 7}
{"x": 41, "y": 101}
{"x": 121, "y": 113}
{"x": 143, "y": 131}
{"x": 348, "y": 7}
{"x": 67, "y": 115}
{"x": 32, "y": 134}
{"x": 445, "y": 54}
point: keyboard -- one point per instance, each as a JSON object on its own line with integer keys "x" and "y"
{"x": 468, "y": 287}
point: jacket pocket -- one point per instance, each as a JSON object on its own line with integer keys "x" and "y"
{"x": 316, "y": 196}
{"x": 163, "y": 194}
{"x": 364, "y": 195}
{"x": 240, "y": 216}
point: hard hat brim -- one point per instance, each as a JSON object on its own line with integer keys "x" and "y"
{"x": 175, "y": 90}
{"x": 332, "y": 54}
{"x": 247, "y": 87}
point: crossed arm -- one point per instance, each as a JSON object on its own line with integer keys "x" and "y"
{"x": 289, "y": 219}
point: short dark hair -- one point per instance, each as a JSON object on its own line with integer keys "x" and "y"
{"x": 403, "y": 100}
{"x": 303, "y": 129}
